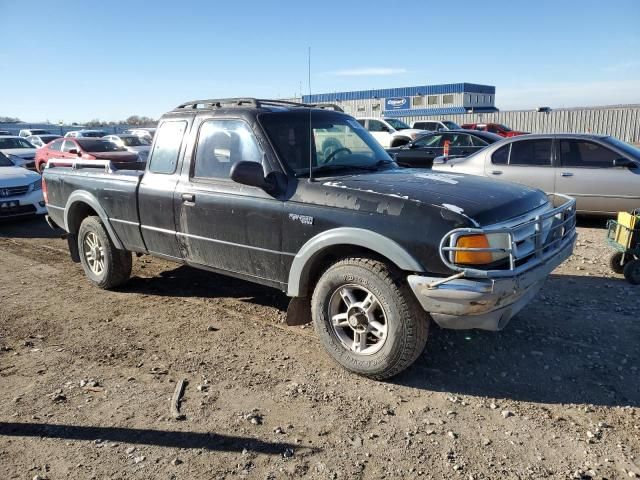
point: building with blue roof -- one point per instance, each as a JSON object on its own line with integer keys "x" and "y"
{"x": 425, "y": 100}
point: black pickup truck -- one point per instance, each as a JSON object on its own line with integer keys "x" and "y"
{"x": 303, "y": 199}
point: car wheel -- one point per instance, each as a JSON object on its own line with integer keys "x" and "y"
{"x": 632, "y": 272}
{"x": 615, "y": 261}
{"x": 368, "y": 319}
{"x": 105, "y": 265}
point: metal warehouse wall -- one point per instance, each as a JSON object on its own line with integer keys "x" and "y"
{"x": 622, "y": 122}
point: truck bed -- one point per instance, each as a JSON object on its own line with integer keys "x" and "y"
{"x": 112, "y": 193}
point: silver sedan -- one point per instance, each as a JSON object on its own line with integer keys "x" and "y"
{"x": 601, "y": 172}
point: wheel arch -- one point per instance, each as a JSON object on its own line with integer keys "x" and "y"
{"x": 323, "y": 249}
{"x": 80, "y": 205}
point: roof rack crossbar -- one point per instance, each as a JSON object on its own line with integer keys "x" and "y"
{"x": 254, "y": 102}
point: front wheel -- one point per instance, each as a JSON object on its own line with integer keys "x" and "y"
{"x": 103, "y": 264}
{"x": 368, "y": 319}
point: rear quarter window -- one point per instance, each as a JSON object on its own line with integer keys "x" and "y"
{"x": 501, "y": 155}
{"x": 164, "y": 157}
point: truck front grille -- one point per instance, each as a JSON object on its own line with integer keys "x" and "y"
{"x": 13, "y": 191}
{"x": 531, "y": 240}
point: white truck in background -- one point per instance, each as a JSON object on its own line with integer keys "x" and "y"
{"x": 390, "y": 132}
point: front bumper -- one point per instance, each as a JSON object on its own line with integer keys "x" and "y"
{"x": 485, "y": 303}
{"x": 27, "y": 205}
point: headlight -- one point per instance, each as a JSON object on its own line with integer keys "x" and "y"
{"x": 37, "y": 185}
{"x": 480, "y": 257}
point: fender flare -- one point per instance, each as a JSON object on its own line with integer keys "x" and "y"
{"x": 82, "y": 196}
{"x": 302, "y": 262}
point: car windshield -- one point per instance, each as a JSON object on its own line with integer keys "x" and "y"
{"x": 48, "y": 138}
{"x": 4, "y": 161}
{"x": 397, "y": 124}
{"x": 337, "y": 141}
{"x": 503, "y": 127}
{"x": 14, "y": 142}
{"x": 134, "y": 141}
{"x": 451, "y": 125}
{"x": 99, "y": 145}
{"x": 627, "y": 148}
{"x": 39, "y": 132}
{"x": 97, "y": 133}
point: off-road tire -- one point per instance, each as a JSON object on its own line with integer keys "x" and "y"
{"x": 117, "y": 263}
{"x": 407, "y": 322}
{"x": 614, "y": 262}
{"x": 632, "y": 272}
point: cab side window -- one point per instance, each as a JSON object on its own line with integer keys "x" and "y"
{"x": 56, "y": 146}
{"x": 579, "y": 153}
{"x": 376, "y": 126}
{"x": 221, "y": 144}
{"x": 429, "y": 141}
{"x": 536, "y": 153}
{"x": 164, "y": 157}
{"x": 459, "y": 140}
{"x": 68, "y": 145}
{"x": 478, "y": 142}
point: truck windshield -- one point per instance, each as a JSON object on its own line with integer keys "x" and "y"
{"x": 337, "y": 140}
{"x": 99, "y": 145}
{"x": 397, "y": 124}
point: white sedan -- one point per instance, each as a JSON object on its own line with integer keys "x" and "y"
{"x": 20, "y": 191}
{"x": 21, "y": 152}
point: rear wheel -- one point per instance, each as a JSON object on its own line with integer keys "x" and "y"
{"x": 105, "y": 265}
{"x": 368, "y": 319}
{"x": 616, "y": 263}
{"x": 632, "y": 272}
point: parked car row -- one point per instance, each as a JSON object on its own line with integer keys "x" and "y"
{"x": 601, "y": 172}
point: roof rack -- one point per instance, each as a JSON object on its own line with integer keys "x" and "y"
{"x": 213, "y": 103}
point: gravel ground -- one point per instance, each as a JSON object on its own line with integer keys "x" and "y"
{"x": 86, "y": 378}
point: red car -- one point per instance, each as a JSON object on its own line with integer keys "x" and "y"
{"x": 86, "y": 149}
{"x": 496, "y": 128}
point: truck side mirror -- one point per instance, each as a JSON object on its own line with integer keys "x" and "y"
{"x": 252, "y": 174}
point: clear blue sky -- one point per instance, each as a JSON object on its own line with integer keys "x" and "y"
{"x": 79, "y": 60}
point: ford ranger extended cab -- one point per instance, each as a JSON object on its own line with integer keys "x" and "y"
{"x": 303, "y": 199}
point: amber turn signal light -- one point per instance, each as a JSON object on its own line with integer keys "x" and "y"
{"x": 471, "y": 257}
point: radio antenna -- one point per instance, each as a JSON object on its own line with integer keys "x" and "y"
{"x": 310, "y": 127}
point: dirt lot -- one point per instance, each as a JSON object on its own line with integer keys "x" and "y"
{"x": 86, "y": 377}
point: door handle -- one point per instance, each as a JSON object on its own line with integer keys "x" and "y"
{"x": 496, "y": 172}
{"x": 188, "y": 198}
{"x": 567, "y": 174}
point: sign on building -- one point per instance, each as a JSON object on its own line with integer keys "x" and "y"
{"x": 397, "y": 103}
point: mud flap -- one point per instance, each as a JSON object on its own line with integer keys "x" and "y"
{"x": 72, "y": 242}
{"x": 299, "y": 311}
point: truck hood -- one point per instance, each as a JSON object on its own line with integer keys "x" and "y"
{"x": 482, "y": 201}
{"x": 16, "y": 177}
